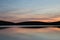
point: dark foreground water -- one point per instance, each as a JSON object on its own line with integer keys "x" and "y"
{"x": 19, "y": 33}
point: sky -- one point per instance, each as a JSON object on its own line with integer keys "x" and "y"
{"x": 30, "y": 10}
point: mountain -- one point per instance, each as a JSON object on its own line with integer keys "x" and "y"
{"x": 6, "y": 23}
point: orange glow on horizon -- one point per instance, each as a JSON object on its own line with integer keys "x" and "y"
{"x": 45, "y": 20}
{"x": 25, "y": 30}
{"x": 53, "y": 20}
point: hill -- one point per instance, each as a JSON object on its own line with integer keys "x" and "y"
{"x": 55, "y": 23}
{"x": 38, "y": 23}
{"x": 29, "y": 23}
{"x": 32, "y": 23}
{"x": 6, "y": 23}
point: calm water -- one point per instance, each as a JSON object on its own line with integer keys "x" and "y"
{"x": 17, "y": 33}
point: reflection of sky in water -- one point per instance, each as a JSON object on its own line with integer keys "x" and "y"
{"x": 30, "y": 34}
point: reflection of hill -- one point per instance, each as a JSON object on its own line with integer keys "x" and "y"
{"x": 33, "y": 27}
{"x": 57, "y": 26}
{"x": 4, "y": 27}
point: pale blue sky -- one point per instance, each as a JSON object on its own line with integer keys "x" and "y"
{"x": 17, "y": 4}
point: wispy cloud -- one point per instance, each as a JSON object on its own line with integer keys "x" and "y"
{"x": 46, "y": 14}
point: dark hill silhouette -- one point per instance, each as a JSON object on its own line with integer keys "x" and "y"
{"x": 38, "y": 23}
{"x": 29, "y": 23}
{"x": 55, "y": 23}
{"x": 32, "y": 23}
{"x": 6, "y": 23}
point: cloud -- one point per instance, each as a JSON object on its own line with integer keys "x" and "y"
{"x": 46, "y": 14}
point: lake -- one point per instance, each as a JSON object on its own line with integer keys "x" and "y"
{"x": 18, "y": 32}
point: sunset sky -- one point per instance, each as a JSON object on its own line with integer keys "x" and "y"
{"x": 30, "y": 10}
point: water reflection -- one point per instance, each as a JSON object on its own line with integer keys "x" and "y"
{"x": 30, "y": 33}
{"x": 29, "y": 26}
